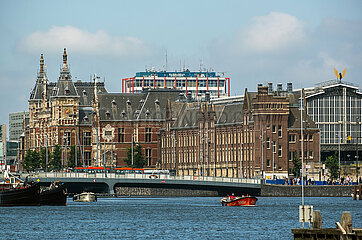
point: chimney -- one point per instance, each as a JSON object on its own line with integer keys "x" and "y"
{"x": 262, "y": 89}
{"x": 289, "y": 87}
{"x": 270, "y": 87}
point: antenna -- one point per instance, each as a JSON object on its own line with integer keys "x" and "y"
{"x": 166, "y": 61}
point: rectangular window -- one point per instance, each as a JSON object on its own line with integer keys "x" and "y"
{"x": 120, "y": 134}
{"x": 148, "y": 134}
{"x": 87, "y": 158}
{"x": 311, "y": 154}
{"x": 280, "y": 131}
{"x": 66, "y": 138}
{"x": 268, "y": 162}
{"x": 292, "y": 138}
{"x": 274, "y": 129}
{"x": 268, "y": 143}
{"x": 274, "y": 147}
{"x": 148, "y": 155}
{"x": 290, "y": 156}
{"x": 87, "y": 138}
{"x": 280, "y": 151}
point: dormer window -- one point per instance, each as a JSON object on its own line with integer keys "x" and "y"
{"x": 85, "y": 118}
{"x": 108, "y": 113}
{"x": 157, "y": 102}
{"x": 84, "y": 92}
{"x": 113, "y": 102}
{"x": 67, "y": 92}
{"x": 123, "y": 113}
{"x": 147, "y": 113}
{"x": 128, "y": 102}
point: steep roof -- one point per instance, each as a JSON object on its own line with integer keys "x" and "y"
{"x": 148, "y": 105}
{"x": 86, "y": 91}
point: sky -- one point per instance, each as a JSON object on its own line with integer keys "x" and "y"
{"x": 249, "y": 41}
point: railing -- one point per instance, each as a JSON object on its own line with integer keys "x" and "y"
{"x": 139, "y": 176}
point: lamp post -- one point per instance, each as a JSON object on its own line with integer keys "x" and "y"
{"x": 320, "y": 162}
{"x": 273, "y": 142}
{"x": 339, "y": 154}
{"x": 77, "y": 138}
{"x": 357, "y": 160}
{"x": 46, "y": 155}
{"x": 262, "y": 154}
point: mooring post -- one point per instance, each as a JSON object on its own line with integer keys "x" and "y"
{"x": 317, "y": 219}
{"x": 354, "y": 192}
{"x": 346, "y": 221}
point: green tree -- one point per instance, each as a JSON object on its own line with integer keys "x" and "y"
{"x": 43, "y": 157}
{"x": 139, "y": 160}
{"x": 31, "y": 161}
{"x": 71, "y": 159}
{"x": 56, "y": 158}
{"x": 332, "y": 165}
{"x": 297, "y": 165}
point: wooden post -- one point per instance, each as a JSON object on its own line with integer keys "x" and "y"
{"x": 360, "y": 192}
{"x": 354, "y": 193}
{"x": 317, "y": 219}
{"x": 346, "y": 221}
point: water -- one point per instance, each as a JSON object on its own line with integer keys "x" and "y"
{"x": 169, "y": 218}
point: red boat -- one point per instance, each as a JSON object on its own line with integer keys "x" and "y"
{"x": 239, "y": 201}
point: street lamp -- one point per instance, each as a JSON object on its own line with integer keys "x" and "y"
{"x": 274, "y": 146}
{"x": 357, "y": 160}
{"x": 339, "y": 153}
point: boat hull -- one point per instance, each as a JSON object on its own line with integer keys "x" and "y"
{"x": 241, "y": 201}
{"x": 54, "y": 196}
{"x": 25, "y": 196}
{"x": 85, "y": 197}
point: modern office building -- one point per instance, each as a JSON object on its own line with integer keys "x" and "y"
{"x": 198, "y": 83}
{"x": 16, "y": 121}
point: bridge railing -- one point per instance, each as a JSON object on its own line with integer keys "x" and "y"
{"x": 140, "y": 176}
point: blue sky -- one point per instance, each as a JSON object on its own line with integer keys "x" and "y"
{"x": 251, "y": 41}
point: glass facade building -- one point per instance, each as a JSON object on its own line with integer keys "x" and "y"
{"x": 16, "y": 124}
{"x": 336, "y": 109}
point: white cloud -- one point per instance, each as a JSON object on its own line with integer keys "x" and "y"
{"x": 271, "y": 33}
{"x": 78, "y": 40}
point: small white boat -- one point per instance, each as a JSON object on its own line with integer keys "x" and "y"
{"x": 85, "y": 197}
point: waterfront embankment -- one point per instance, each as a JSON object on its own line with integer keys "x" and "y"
{"x": 268, "y": 190}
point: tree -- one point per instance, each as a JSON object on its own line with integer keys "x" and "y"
{"x": 31, "y": 161}
{"x": 56, "y": 162}
{"x": 332, "y": 165}
{"x": 43, "y": 157}
{"x": 71, "y": 159}
{"x": 297, "y": 165}
{"x": 139, "y": 160}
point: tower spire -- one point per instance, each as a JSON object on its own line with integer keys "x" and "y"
{"x": 65, "y": 66}
{"x": 41, "y": 63}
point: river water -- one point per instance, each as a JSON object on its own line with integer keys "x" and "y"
{"x": 169, "y": 218}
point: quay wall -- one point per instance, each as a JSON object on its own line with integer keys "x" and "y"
{"x": 268, "y": 190}
{"x": 163, "y": 192}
